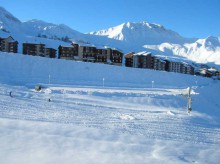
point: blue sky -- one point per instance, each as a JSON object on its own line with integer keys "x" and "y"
{"x": 190, "y": 18}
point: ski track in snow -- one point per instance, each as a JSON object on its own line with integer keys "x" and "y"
{"x": 121, "y": 110}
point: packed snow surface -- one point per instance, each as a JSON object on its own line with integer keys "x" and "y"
{"x": 104, "y": 114}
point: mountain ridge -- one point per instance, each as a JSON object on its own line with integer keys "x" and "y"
{"x": 151, "y": 33}
{"x": 128, "y": 37}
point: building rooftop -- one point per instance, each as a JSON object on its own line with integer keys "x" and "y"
{"x": 35, "y": 43}
{"x": 82, "y": 44}
{"x": 143, "y": 53}
{"x": 129, "y": 55}
{"x": 67, "y": 46}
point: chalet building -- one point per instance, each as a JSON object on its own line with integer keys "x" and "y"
{"x": 129, "y": 59}
{"x": 8, "y": 45}
{"x": 38, "y": 49}
{"x": 142, "y": 60}
{"x": 87, "y": 52}
{"x": 68, "y": 52}
{"x": 158, "y": 64}
{"x": 101, "y": 55}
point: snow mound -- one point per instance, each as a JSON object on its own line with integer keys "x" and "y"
{"x": 170, "y": 113}
{"x": 126, "y": 117}
{"x": 47, "y": 91}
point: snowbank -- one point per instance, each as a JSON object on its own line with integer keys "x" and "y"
{"x": 23, "y": 69}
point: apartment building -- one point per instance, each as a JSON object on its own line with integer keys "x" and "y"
{"x": 68, "y": 52}
{"x": 129, "y": 59}
{"x": 87, "y": 52}
{"x": 115, "y": 56}
{"x": 101, "y": 55}
{"x": 8, "y": 45}
{"x": 38, "y": 49}
{"x": 173, "y": 66}
{"x": 187, "y": 69}
{"x": 50, "y": 52}
{"x": 142, "y": 60}
{"x": 158, "y": 64}
{"x": 33, "y": 49}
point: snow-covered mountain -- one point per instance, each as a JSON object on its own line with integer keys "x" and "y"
{"x": 159, "y": 40}
{"x": 202, "y": 50}
{"x": 9, "y": 23}
{"x": 35, "y": 28}
{"x": 44, "y": 32}
{"x": 38, "y": 27}
{"x": 127, "y": 37}
{"x": 142, "y": 33}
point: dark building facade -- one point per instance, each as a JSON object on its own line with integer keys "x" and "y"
{"x": 68, "y": 52}
{"x": 8, "y": 45}
{"x": 101, "y": 55}
{"x": 33, "y": 49}
{"x": 143, "y": 60}
{"x": 38, "y": 49}
{"x": 129, "y": 59}
{"x": 158, "y": 64}
{"x": 87, "y": 52}
{"x": 116, "y": 56}
{"x": 50, "y": 52}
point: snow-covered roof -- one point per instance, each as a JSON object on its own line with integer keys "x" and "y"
{"x": 101, "y": 47}
{"x": 107, "y": 47}
{"x": 117, "y": 49}
{"x": 212, "y": 70}
{"x": 129, "y": 55}
{"x": 144, "y": 53}
{"x": 86, "y": 45}
{"x": 83, "y": 44}
{"x": 161, "y": 60}
{"x": 67, "y": 46}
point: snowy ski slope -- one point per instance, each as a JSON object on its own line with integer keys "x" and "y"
{"x": 123, "y": 120}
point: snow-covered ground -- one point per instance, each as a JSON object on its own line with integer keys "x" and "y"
{"x": 104, "y": 114}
